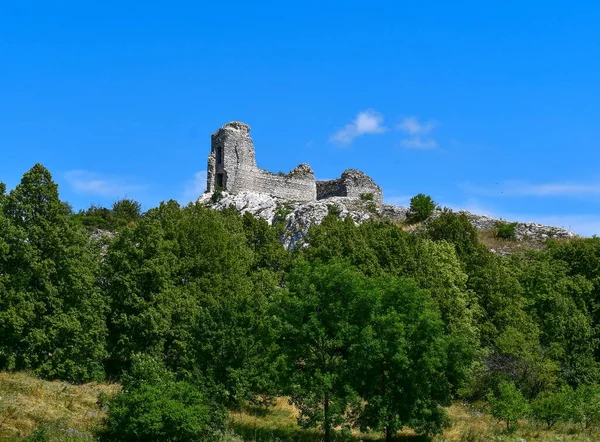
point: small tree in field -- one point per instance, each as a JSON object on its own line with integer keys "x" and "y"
{"x": 586, "y": 405}
{"x": 552, "y": 407}
{"x": 421, "y": 207}
{"x": 508, "y": 404}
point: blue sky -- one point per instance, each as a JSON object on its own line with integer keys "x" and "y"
{"x": 488, "y": 106}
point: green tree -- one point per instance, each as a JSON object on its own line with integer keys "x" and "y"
{"x": 139, "y": 280}
{"x": 324, "y": 306}
{"x": 421, "y": 207}
{"x": 582, "y": 258}
{"x": 399, "y": 360}
{"x": 553, "y": 407}
{"x": 127, "y": 210}
{"x": 508, "y": 404}
{"x": 52, "y": 315}
{"x": 556, "y": 304}
{"x": 154, "y": 406}
{"x": 586, "y": 405}
{"x": 382, "y": 249}
{"x": 192, "y": 286}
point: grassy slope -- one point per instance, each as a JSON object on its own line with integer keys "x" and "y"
{"x": 71, "y": 413}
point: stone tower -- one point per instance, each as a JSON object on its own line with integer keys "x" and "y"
{"x": 232, "y": 167}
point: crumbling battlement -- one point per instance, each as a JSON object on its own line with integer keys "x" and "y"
{"x": 353, "y": 183}
{"x": 232, "y": 167}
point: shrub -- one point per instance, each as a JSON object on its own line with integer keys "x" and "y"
{"x": 586, "y": 405}
{"x": 154, "y": 406}
{"x": 366, "y": 196}
{"x": 217, "y": 195}
{"x": 333, "y": 210}
{"x": 553, "y": 407}
{"x": 506, "y": 230}
{"x": 508, "y": 404}
{"x": 421, "y": 207}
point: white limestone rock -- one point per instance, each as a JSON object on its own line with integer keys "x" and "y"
{"x": 298, "y": 216}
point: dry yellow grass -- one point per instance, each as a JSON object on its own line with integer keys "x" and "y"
{"x": 27, "y": 402}
{"x": 469, "y": 424}
{"x": 72, "y": 411}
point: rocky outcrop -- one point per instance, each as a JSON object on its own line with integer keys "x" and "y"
{"x": 523, "y": 231}
{"x": 297, "y": 217}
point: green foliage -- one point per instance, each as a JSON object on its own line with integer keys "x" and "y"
{"x": 127, "y": 210}
{"x": 154, "y": 406}
{"x": 586, "y": 405}
{"x": 421, "y": 207}
{"x": 366, "y": 326}
{"x": 508, "y": 404}
{"x": 553, "y": 407}
{"x": 191, "y": 285}
{"x": 398, "y": 360}
{"x": 333, "y": 210}
{"x": 122, "y": 213}
{"x": 323, "y": 308}
{"x": 457, "y": 230}
{"x": 506, "y": 230}
{"x": 52, "y": 314}
{"x": 217, "y": 195}
{"x": 370, "y": 347}
{"x": 368, "y": 196}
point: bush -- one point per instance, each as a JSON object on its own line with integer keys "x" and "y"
{"x": 506, "y": 230}
{"x": 217, "y": 195}
{"x": 154, "y": 406}
{"x": 508, "y": 404}
{"x": 366, "y": 196}
{"x": 421, "y": 207}
{"x": 553, "y": 407}
{"x": 586, "y": 405}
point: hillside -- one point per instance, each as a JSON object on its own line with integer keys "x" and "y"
{"x": 296, "y": 218}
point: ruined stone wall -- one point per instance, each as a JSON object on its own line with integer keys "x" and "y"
{"x": 232, "y": 166}
{"x": 352, "y": 183}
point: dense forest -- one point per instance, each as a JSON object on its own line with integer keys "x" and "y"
{"x": 197, "y": 312}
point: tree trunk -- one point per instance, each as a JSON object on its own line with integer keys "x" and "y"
{"x": 326, "y": 424}
{"x": 388, "y": 434}
{"x": 507, "y": 425}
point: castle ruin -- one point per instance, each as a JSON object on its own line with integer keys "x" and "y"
{"x": 232, "y": 167}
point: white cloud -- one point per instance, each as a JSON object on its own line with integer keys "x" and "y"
{"x": 412, "y": 126}
{"x": 194, "y": 187}
{"x": 419, "y": 143}
{"x": 91, "y": 183}
{"x": 417, "y": 132}
{"x": 366, "y": 122}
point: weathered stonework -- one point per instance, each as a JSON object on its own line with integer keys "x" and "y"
{"x": 305, "y": 201}
{"x": 232, "y": 167}
{"x": 353, "y": 184}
